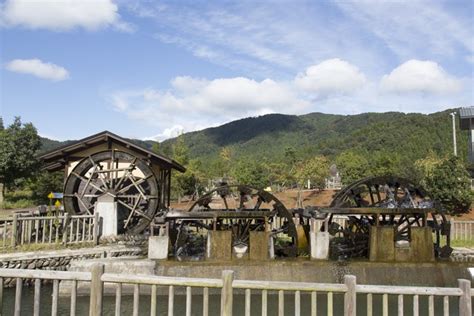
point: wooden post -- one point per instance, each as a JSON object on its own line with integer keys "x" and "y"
{"x": 14, "y": 229}
{"x": 350, "y": 295}
{"x": 95, "y": 231}
{"x": 66, "y": 220}
{"x": 19, "y": 286}
{"x": 97, "y": 288}
{"x": 227, "y": 293}
{"x": 465, "y": 305}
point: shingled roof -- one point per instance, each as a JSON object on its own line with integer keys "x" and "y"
{"x": 54, "y": 159}
{"x": 465, "y": 116}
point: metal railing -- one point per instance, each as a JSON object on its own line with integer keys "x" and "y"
{"x": 225, "y": 286}
{"x": 23, "y": 230}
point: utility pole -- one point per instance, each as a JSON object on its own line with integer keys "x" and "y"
{"x": 453, "y": 116}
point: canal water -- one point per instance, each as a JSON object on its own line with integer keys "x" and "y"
{"x": 214, "y": 304}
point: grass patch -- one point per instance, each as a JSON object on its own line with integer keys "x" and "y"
{"x": 18, "y": 199}
{"x": 462, "y": 243}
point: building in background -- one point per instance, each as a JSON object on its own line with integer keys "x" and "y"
{"x": 466, "y": 123}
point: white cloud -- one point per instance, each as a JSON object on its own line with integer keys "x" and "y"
{"x": 62, "y": 15}
{"x": 194, "y": 103}
{"x": 331, "y": 76}
{"x": 38, "y": 68}
{"x": 332, "y": 86}
{"x": 420, "y": 76}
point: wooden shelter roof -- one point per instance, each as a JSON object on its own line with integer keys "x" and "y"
{"x": 56, "y": 158}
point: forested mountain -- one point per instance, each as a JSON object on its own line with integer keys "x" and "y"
{"x": 405, "y": 136}
{"x": 408, "y": 136}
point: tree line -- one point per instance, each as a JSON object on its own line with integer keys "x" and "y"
{"x": 445, "y": 177}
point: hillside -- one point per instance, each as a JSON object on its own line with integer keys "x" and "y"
{"x": 409, "y": 136}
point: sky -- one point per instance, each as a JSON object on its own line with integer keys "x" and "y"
{"x": 152, "y": 70}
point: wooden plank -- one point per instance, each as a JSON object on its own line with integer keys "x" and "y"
{"x": 118, "y": 299}
{"x": 350, "y": 296}
{"x": 465, "y": 303}
{"x": 171, "y": 300}
{"x": 289, "y": 286}
{"x": 45, "y": 274}
{"x": 369, "y": 305}
{"x": 72, "y": 311}
{"x": 446, "y": 306}
{"x": 227, "y": 293}
{"x": 189, "y": 297}
{"x": 264, "y": 302}
{"x": 281, "y": 303}
{"x": 431, "y": 305}
{"x": 400, "y": 305}
{"x": 97, "y": 288}
{"x": 416, "y": 308}
{"x": 160, "y": 280}
{"x": 14, "y": 230}
{"x": 19, "y": 285}
{"x": 297, "y": 303}
{"x": 408, "y": 290}
{"x": 37, "y": 298}
{"x": 248, "y": 298}
{"x": 153, "y": 301}
{"x": 385, "y": 304}
{"x": 205, "y": 301}
{"x": 1, "y": 294}
{"x": 54, "y": 303}
{"x": 330, "y": 304}
{"x": 314, "y": 303}
{"x": 136, "y": 299}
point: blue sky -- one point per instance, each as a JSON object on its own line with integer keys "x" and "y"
{"x": 149, "y": 69}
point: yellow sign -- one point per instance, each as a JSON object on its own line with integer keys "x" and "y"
{"x": 51, "y": 195}
{"x": 57, "y": 204}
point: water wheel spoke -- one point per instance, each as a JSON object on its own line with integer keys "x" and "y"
{"x": 88, "y": 181}
{"x": 85, "y": 180}
{"x": 134, "y": 183}
{"x": 88, "y": 208}
{"x": 131, "y": 208}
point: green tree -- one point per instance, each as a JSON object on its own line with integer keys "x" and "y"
{"x": 352, "y": 166}
{"x": 449, "y": 183}
{"x": 384, "y": 163}
{"x": 19, "y": 144}
{"x": 44, "y": 183}
{"x": 251, "y": 173}
{"x": 316, "y": 170}
{"x": 155, "y": 147}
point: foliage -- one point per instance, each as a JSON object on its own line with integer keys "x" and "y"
{"x": 315, "y": 170}
{"x": 352, "y": 166}
{"x": 18, "y": 145}
{"x": 44, "y": 183}
{"x": 449, "y": 183}
{"x": 251, "y": 173}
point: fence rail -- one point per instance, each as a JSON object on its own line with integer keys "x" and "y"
{"x": 462, "y": 230}
{"x": 23, "y": 230}
{"x": 226, "y": 285}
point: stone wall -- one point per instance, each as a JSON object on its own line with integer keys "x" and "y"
{"x": 60, "y": 260}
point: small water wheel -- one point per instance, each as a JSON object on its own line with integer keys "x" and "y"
{"x": 123, "y": 176}
{"x": 240, "y": 209}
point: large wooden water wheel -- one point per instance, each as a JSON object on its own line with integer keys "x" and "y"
{"x": 126, "y": 178}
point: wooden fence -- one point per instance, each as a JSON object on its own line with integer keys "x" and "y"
{"x": 23, "y": 230}
{"x": 351, "y": 291}
{"x": 462, "y": 230}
